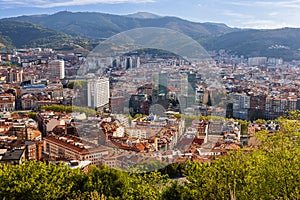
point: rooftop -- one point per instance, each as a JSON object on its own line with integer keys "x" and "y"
{"x": 13, "y": 155}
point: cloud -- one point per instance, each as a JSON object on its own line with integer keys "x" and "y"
{"x": 236, "y": 14}
{"x": 239, "y": 3}
{"x": 273, "y": 13}
{"x": 265, "y": 14}
{"x": 262, "y": 24}
{"x": 60, "y": 3}
{"x": 280, "y": 4}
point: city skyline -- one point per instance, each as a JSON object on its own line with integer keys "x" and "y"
{"x": 239, "y": 13}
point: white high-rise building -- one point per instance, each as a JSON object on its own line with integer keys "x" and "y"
{"x": 56, "y": 68}
{"x": 257, "y": 61}
{"x": 97, "y": 92}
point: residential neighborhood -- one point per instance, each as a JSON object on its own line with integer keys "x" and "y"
{"x": 151, "y": 109}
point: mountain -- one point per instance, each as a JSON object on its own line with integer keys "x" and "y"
{"x": 95, "y": 27}
{"x": 99, "y": 25}
{"x": 23, "y": 34}
{"x": 143, "y": 15}
{"x": 283, "y": 43}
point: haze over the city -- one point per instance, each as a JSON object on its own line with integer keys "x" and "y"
{"x": 237, "y": 13}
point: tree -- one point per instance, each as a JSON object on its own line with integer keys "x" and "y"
{"x": 78, "y": 84}
{"x": 69, "y": 109}
{"x": 294, "y": 115}
{"x": 244, "y": 125}
{"x": 270, "y": 172}
{"x": 36, "y": 180}
{"x": 175, "y": 191}
{"x": 32, "y": 115}
{"x": 146, "y": 186}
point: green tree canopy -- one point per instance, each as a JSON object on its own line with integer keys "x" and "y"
{"x": 69, "y": 109}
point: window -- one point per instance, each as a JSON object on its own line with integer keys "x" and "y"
{"x": 47, "y": 147}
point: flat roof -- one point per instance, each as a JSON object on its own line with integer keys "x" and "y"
{"x": 13, "y": 155}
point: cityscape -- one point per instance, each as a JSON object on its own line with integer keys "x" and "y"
{"x": 147, "y": 109}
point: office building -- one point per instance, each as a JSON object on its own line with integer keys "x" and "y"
{"x": 162, "y": 84}
{"x": 56, "y": 69}
{"x": 97, "y": 92}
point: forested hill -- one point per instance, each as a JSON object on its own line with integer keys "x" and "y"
{"x": 24, "y": 34}
{"x": 95, "y": 27}
{"x": 100, "y": 25}
{"x": 5, "y": 43}
{"x": 283, "y": 43}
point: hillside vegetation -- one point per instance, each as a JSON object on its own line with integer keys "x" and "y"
{"x": 94, "y": 26}
{"x": 99, "y": 25}
{"x": 271, "y": 43}
{"x": 5, "y": 43}
{"x": 23, "y": 35}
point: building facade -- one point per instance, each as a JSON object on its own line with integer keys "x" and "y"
{"x": 71, "y": 147}
{"x": 56, "y": 69}
{"x": 97, "y": 92}
{"x": 7, "y": 102}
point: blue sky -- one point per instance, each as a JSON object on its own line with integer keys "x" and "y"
{"x": 235, "y": 13}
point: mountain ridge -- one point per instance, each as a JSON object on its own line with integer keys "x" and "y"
{"x": 212, "y": 36}
{"x": 86, "y": 24}
{"x": 143, "y": 15}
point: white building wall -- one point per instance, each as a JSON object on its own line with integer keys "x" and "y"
{"x": 56, "y": 69}
{"x": 98, "y": 92}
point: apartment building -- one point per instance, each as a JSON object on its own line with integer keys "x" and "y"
{"x": 70, "y": 147}
{"x": 7, "y": 102}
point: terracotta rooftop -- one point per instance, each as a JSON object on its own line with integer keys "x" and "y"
{"x": 69, "y": 142}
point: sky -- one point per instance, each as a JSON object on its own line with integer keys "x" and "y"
{"x": 236, "y": 13}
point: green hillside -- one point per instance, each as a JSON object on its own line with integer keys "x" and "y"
{"x": 5, "y": 43}
{"x": 99, "y": 25}
{"x": 94, "y": 26}
{"x": 275, "y": 43}
{"x": 23, "y": 34}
